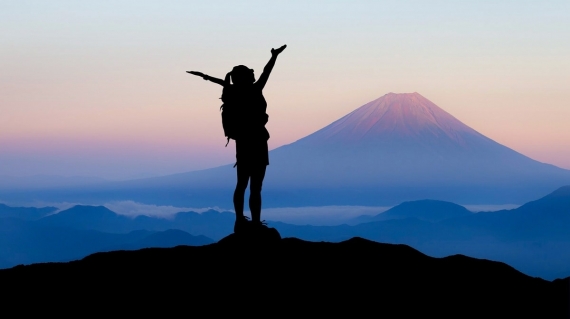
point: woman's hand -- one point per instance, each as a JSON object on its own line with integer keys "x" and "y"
{"x": 200, "y": 74}
{"x": 279, "y": 50}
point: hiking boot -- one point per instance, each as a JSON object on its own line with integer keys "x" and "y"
{"x": 259, "y": 225}
{"x": 242, "y": 224}
{"x": 261, "y": 230}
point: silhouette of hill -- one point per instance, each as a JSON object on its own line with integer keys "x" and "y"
{"x": 430, "y": 210}
{"x": 356, "y": 277}
{"x": 25, "y": 242}
{"x": 533, "y": 238}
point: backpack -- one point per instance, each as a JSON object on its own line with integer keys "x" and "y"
{"x": 230, "y": 114}
{"x": 234, "y": 118}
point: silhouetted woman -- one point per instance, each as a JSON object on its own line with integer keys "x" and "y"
{"x": 251, "y": 144}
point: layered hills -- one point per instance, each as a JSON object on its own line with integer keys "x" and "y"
{"x": 83, "y": 230}
{"x": 532, "y": 238}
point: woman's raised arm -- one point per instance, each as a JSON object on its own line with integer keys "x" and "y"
{"x": 269, "y": 66}
{"x": 209, "y": 78}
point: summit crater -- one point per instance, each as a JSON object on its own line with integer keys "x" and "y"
{"x": 400, "y": 116}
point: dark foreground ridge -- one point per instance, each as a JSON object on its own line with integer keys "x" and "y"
{"x": 288, "y": 276}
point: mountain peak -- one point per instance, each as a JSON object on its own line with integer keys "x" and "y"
{"x": 395, "y": 116}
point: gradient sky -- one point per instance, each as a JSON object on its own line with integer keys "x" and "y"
{"x": 98, "y": 88}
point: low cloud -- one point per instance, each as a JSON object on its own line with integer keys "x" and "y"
{"x": 126, "y": 208}
{"x": 133, "y": 209}
{"x": 321, "y": 215}
{"x": 324, "y": 215}
{"x": 313, "y": 215}
{"x": 490, "y": 208}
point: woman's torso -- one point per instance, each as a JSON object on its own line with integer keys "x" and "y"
{"x": 251, "y": 144}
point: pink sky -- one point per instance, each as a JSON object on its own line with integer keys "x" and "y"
{"x": 100, "y": 89}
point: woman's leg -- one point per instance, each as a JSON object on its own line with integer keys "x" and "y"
{"x": 241, "y": 186}
{"x": 257, "y": 176}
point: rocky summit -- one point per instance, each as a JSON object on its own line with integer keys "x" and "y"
{"x": 285, "y": 277}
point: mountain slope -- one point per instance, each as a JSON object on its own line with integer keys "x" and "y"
{"x": 404, "y": 140}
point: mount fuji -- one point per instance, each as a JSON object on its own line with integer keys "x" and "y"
{"x": 399, "y": 147}
{"x": 404, "y": 147}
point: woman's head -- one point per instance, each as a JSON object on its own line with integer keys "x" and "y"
{"x": 241, "y": 75}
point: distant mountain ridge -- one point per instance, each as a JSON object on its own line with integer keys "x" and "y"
{"x": 213, "y": 224}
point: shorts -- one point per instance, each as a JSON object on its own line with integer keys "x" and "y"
{"x": 252, "y": 152}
